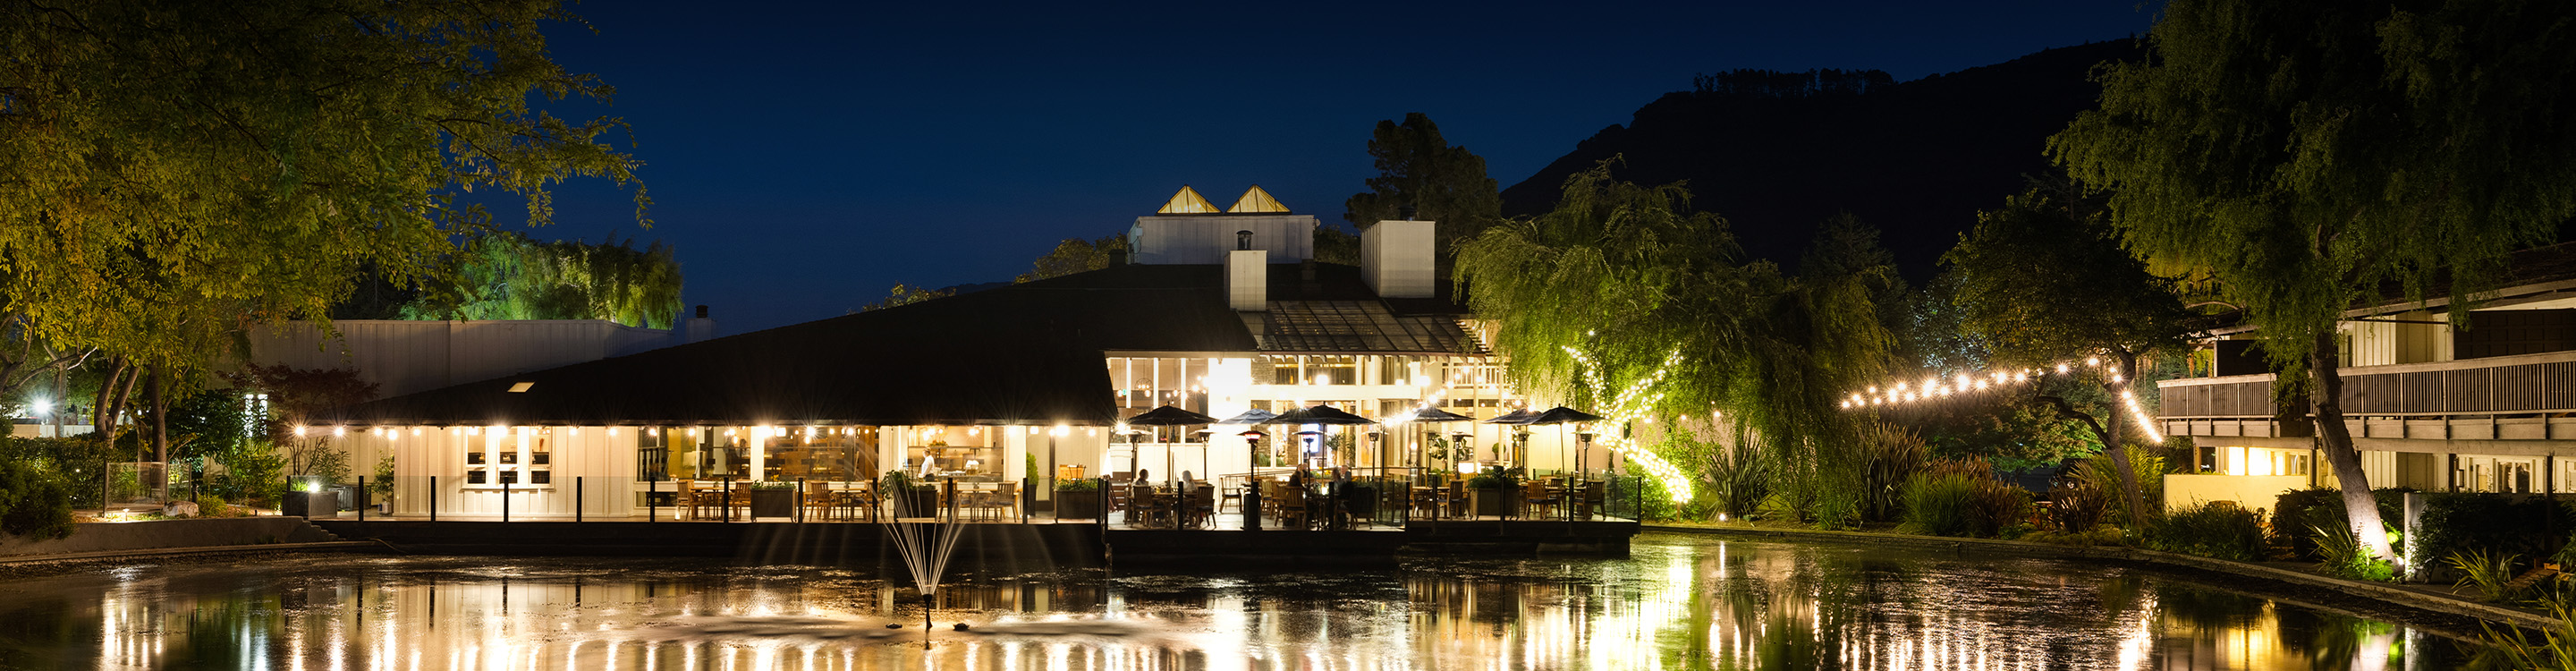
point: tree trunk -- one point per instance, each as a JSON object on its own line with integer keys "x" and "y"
{"x": 2335, "y": 440}
{"x": 103, "y": 412}
{"x": 2119, "y": 460}
{"x": 160, "y": 422}
{"x": 2127, "y": 364}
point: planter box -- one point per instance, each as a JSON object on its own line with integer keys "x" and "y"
{"x": 310, "y": 504}
{"x": 1077, "y": 505}
{"x": 1494, "y": 502}
{"x": 773, "y": 503}
{"x": 918, "y": 502}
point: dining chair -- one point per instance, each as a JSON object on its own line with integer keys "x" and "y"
{"x": 1541, "y": 499}
{"x": 1292, "y": 509}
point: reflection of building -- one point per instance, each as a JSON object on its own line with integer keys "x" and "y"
{"x": 2483, "y": 409}
{"x": 981, "y": 387}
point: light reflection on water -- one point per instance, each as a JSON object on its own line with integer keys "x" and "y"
{"x": 1680, "y": 602}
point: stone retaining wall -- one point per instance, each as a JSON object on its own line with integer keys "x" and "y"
{"x": 159, "y": 534}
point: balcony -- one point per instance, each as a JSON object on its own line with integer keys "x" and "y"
{"x": 2494, "y": 398}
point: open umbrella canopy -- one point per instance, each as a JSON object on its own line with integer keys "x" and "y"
{"x": 1169, "y": 416}
{"x": 1322, "y": 414}
{"x": 1253, "y": 416}
{"x": 1434, "y": 415}
{"x": 1561, "y": 415}
{"x": 1521, "y": 416}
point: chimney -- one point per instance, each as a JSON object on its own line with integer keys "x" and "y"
{"x": 1396, "y": 258}
{"x": 1247, "y": 277}
{"x": 700, "y": 327}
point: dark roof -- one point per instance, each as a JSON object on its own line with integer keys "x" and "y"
{"x": 1360, "y": 327}
{"x": 1026, "y": 353}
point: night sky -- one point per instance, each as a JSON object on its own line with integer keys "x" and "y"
{"x": 806, "y": 157}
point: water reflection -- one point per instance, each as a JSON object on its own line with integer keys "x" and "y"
{"x": 1681, "y": 602}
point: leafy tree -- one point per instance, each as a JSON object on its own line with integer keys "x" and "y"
{"x": 903, "y": 295}
{"x": 2044, "y": 279}
{"x": 2308, "y": 153}
{"x": 1624, "y": 300}
{"x": 1074, "y": 255}
{"x": 508, "y": 276}
{"x": 176, "y": 171}
{"x": 1443, "y": 183}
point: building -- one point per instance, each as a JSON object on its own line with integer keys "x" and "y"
{"x": 2487, "y": 409}
{"x": 995, "y": 387}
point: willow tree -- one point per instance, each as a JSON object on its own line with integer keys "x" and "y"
{"x": 2309, "y": 152}
{"x": 1624, "y": 300}
{"x": 171, "y": 172}
{"x": 508, "y": 276}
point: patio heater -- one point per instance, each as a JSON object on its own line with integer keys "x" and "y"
{"x": 1252, "y": 479}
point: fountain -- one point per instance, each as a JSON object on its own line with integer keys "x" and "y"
{"x": 925, "y": 547}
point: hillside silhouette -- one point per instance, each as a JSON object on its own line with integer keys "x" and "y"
{"x": 1776, "y": 153}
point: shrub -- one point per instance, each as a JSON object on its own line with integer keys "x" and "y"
{"x": 1996, "y": 507}
{"x": 1077, "y": 485}
{"x": 2076, "y": 506}
{"x": 2507, "y": 523}
{"x": 2218, "y": 531}
{"x": 34, "y": 501}
{"x": 2341, "y": 554}
{"x": 1938, "y": 504}
{"x": 1891, "y": 456}
{"x": 1962, "y": 498}
{"x": 2491, "y": 575}
{"x": 2299, "y": 514}
{"x": 2150, "y": 471}
{"x": 1738, "y": 479}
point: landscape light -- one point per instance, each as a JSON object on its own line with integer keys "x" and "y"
{"x": 338, "y": 431}
{"x": 299, "y": 430}
{"x": 43, "y": 406}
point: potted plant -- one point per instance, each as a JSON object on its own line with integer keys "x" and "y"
{"x": 1077, "y": 499}
{"x": 1490, "y": 492}
{"x": 381, "y": 488}
{"x": 910, "y": 497}
{"x": 773, "y": 499}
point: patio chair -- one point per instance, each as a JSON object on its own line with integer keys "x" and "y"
{"x": 1588, "y": 503}
{"x": 1292, "y": 509}
{"x": 1541, "y": 499}
{"x": 1200, "y": 506}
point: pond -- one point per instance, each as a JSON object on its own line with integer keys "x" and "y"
{"x": 1679, "y": 601}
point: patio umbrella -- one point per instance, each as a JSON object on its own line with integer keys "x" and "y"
{"x": 1252, "y": 459}
{"x": 1561, "y": 416}
{"x": 1253, "y": 416}
{"x": 1430, "y": 415}
{"x": 1322, "y": 414}
{"x": 1513, "y": 418}
{"x": 1168, "y": 416}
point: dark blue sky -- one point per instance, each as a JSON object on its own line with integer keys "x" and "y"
{"x": 806, "y": 157}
